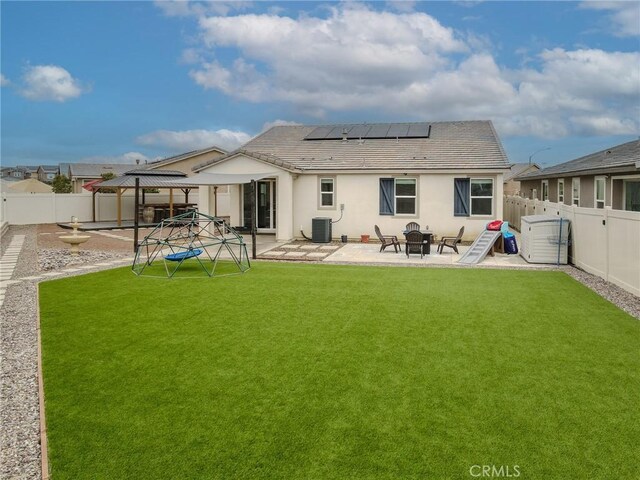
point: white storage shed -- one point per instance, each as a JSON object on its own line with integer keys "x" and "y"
{"x": 544, "y": 239}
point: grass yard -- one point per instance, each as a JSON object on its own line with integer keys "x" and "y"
{"x": 296, "y": 371}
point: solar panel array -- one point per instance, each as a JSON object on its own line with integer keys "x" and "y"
{"x": 375, "y": 130}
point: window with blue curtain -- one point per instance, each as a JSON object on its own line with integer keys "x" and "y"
{"x": 386, "y": 196}
{"x": 461, "y": 197}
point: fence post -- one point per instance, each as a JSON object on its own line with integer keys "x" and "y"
{"x": 607, "y": 242}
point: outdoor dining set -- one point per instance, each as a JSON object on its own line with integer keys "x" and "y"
{"x": 418, "y": 240}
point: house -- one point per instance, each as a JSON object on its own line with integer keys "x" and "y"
{"x": 46, "y": 173}
{"x": 186, "y": 161}
{"x": 512, "y": 186}
{"x": 30, "y": 171}
{"x": 608, "y": 178}
{"x": 13, "y": 173}
{"x": 82, "y": 173}
{"x": 440, "y": 174}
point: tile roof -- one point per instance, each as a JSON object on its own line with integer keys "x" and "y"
{"x": 517, "y": 168}
{"x": 460, "y": 145}
{"x": 182, "y": 156}
{"x": 95, "y": 170}
{"x": 618, "y": 157}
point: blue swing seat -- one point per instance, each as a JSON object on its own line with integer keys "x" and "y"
{"x": 176, "y": 257}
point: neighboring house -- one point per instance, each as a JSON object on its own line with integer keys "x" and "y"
{"x": 442, "y": 174}
{"x": 186, "y": 161}
{"x": 13, "y": 173}
{"x": 81, "y": 173}
{"x": 512, "y": 186}
{"x": 30, "y": 171}
{"x": 46, "y": 173}
{"x": 608, "y": 178}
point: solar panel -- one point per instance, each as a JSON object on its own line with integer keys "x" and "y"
{"x": 378, "y": 130}
{"x": 418, "y": 130}
{"x": 318, "y": 133}
{"x": 398, "y": 130}
{"x": 359, "y": 131}
{"x": 336, "y": 132}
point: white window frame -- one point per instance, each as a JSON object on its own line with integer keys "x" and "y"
{"x": 545, "y": 190}
{"x": 471, "y": 197}
{"x": 561, "y": 195}
{"x": 596, "y": 202}
{"x": 575, "y": 182}
{"x": 625, "y": 180}
{"x": 396, "y": 197}
{"x": 332, "y": 193}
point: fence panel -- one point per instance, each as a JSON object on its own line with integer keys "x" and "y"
{"x": 605, "y": 242}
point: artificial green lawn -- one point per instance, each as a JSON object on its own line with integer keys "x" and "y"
{"x": 332, "y": 372}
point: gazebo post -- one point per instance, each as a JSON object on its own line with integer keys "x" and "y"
{"x": 171, "y": 202}
{"x": 253, "y": 219}
{"x": 135, "y": 215}
{"x": 215, "y": 200}
{"x": 119, "y": 197}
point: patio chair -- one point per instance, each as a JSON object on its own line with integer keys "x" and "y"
{"x": 387, "y": 240}
{"x": 414, "y": 243}
{"x": 451, "y": 242}
{"x": 412, "y": 226}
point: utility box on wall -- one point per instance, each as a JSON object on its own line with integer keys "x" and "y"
{"x": 321, "y": 230}
{"x": 544, "y": 239}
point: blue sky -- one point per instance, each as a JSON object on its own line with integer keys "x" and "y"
{"x": 116, "y": 81}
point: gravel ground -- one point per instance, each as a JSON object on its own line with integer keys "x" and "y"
{"x": 19, "y": 412}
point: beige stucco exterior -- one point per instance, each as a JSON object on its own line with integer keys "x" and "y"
{"x": 186, "y": 164}
{"x": 297, "y": 200}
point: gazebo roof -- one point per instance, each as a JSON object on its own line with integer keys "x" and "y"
{"x": 149, "y": 179}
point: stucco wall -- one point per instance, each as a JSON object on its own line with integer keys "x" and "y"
{"x": 298, "y": 201}
{"x": 360, "y": 195}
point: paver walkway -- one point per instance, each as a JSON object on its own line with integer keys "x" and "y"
{"x": 8, "y": 264}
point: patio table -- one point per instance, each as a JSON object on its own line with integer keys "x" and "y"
{"x": 426, "y": 240}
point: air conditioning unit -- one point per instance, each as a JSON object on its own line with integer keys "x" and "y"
{"x": 321, "y": 230}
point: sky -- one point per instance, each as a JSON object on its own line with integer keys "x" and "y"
{"x": 120, "y": 81}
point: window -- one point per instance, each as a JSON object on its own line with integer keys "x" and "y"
{"x": 405, "y": 189}
{"x": 481, "y": 196}
{"x": 327, "y": 193}
{"x": 631, "y": 193}
{"x": 575, "y": 191}
{"x": 545, "y": 190}
{"x": 472, "y": 197}
{"x": 599, "y": 188}
{"x": 398, "y": 196}
{"x": 561, "y": 190}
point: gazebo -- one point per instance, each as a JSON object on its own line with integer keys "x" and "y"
{"x": 144, "y": 179}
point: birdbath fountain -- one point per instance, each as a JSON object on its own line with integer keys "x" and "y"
{"x": 74, "y": 240}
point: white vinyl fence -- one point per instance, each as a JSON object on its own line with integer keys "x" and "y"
{"x": 605, "y": 242}
{"x": 37, "y": 208}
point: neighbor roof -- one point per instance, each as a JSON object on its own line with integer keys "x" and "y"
{"x": 449, "y": 145}
{"x": 95, "y": 170}
{"x": 619, "y": 158}
{"x": 176, "y": 158}
{"x": 518, "y": 168}
{"x": 49, "y": 168}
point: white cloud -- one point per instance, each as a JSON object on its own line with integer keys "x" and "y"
{"x": 278, "y": 123}
{"x": 50, "y": 83}
{"x": 185, "y": 8}
{"x": 4, "y": 81}
{"x": 125, "y": 158}
{"x": 408, "y": 65}
{"x": 187, "y": 140}
{"x": 624, "y": 16}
